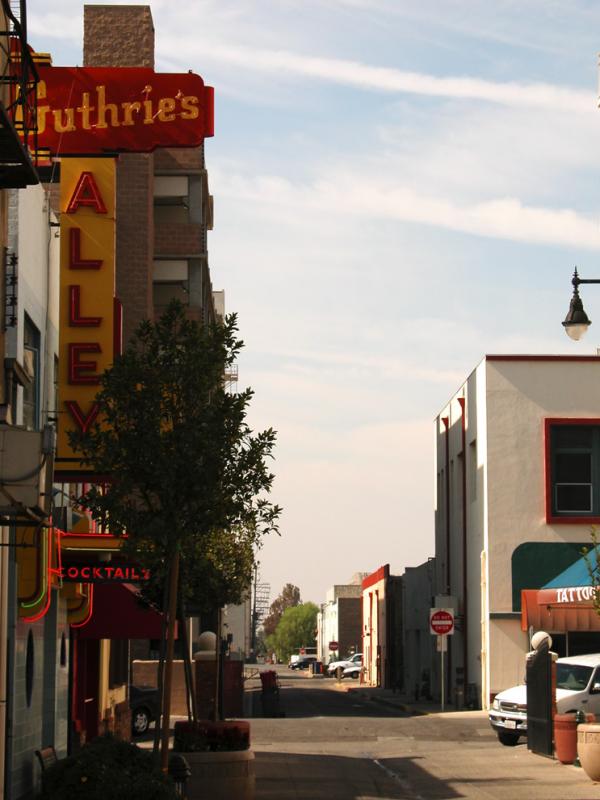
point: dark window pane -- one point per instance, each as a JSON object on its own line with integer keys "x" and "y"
{"x": 572, "y": 436}
{"x": 573, "y": 497}
{"x": 573, "y": 468}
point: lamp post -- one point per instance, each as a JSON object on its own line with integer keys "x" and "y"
{"x": 577, "y": 321}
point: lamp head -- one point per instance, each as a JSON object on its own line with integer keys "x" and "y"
{"x": 576, "y": 322}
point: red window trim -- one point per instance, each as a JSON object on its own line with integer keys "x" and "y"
{"x": 550, "y": 517}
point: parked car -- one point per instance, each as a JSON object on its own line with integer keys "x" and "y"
{"x": 303, "y": 662}
{"x": 353, "y": 671}
{"x": 351, "y": 661}
{"x": 293, "y": 660}
{"x": 577, "y": 687}
{"x": 143, "y": 702}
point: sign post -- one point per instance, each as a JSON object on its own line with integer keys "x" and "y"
{"x": 441, "y": 624}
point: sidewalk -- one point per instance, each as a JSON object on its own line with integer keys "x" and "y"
{"x": 388, "y": 697}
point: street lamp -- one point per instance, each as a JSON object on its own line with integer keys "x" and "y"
{"x": 577, "y": 322}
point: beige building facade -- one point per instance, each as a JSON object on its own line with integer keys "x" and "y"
{"x": 517, "y": 490}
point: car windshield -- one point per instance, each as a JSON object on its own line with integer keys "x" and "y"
{"x": 572, "y": 676}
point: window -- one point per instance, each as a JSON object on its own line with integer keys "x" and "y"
{"x": 574, "y": 467}
{"x": 171, "y": 199}
{"x": 31, "y": 362}
{"x": 473, "y": 470}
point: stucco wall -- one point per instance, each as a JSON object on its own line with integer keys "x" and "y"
{"x": 470, "y": 400}
{"x": 373, "y": 630}
{"x": 38, "y": 249}
{"x": 506, "y": 403}
{"x": 521, "y": 395}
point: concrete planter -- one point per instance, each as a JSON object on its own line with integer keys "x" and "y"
{"x": 221, "y": 775}
{"x": 588, "y": 749}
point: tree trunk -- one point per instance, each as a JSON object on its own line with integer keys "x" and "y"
{"x": 161, "y": 669}
{"x": 187, "y": 663}
{"x": 173, "y": 585}
{"x": 215, "y": 713}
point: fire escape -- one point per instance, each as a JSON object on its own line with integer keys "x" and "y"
{"x": 18, "y": 99}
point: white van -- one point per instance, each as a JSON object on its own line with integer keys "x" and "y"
{"x": 577, "y": 687}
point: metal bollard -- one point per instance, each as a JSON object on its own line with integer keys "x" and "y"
{"x": 579, "y": 720}
{"x": 180, "y": 771}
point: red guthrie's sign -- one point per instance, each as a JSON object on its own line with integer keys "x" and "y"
{"x": 104, "y": 573}
{"x": 87, "y": 110}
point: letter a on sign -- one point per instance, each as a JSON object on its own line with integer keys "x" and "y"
{"x": 86, "y": 194}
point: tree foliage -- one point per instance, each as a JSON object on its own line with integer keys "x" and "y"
{"x": 288, "y": 598}
{"x": 184, "y": 470}
{"x": 296, "y": 629}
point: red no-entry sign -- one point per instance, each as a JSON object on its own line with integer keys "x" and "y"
{"x": 441, "y": 621}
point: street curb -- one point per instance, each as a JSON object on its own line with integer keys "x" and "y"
{"x": 407, "y": 709}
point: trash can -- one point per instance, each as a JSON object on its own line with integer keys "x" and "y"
{"x": 268, "y": 679}
{"x": 270, "y": 693}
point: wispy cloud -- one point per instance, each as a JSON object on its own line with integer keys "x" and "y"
{"x": 385, "y": 79}
{"x": 503, "y": 217}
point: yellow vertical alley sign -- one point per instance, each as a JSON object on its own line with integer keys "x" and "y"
{"x": 89, "y": 329}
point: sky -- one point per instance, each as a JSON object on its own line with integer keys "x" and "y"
{"x": 400, "y": 187}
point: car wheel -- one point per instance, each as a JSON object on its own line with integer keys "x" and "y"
{"x": 508, "y": 739}
{"x": 354, "y": 675}
{"x": 140, "y": 721}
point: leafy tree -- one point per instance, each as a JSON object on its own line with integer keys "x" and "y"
{"x": 186, "y": 476}
{"x": 296, "y": 629}
{"x": 289, "y": 597}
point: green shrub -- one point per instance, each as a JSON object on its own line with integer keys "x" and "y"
{"x": 107, "y": 769}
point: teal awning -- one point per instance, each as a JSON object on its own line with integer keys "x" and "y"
{"x": 576, "y": 575}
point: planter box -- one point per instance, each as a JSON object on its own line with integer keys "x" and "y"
{"x": 588, "y": 749}
{"x": 221, "y": 775}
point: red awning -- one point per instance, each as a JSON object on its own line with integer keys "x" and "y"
{"x": 118, "y": 614}
{"x": 558, "y": 610}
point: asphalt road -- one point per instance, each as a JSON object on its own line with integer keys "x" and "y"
{"x": 338, "y": 746}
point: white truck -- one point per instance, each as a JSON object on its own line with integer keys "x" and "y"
{"x": 336, "y": 668}
{"x": 577, "y": 687}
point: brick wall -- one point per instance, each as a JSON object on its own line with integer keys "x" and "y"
{"x": 123, "y": 36}
{"x": 184, "y": 158}
{"x": 144, "y": 673}
{"x": 349, "y": 624}
{"x": 135, "y": 238}
{"x": 178, "y": 239}
{"x": 118, "y": 722}
{"x": 118, "y": 36}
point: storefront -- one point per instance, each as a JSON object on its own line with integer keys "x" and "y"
{"x": 564, "y": 607}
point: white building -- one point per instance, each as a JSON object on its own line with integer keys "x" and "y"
{"x": 517, "y": 490}
{"x": 339, "y": 620}
{"x": 236, "y": 623}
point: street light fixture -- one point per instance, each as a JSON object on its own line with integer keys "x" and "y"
{"x": 577, "y": 322}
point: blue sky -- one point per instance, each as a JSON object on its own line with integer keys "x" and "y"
{"x": 400, "y": 187}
